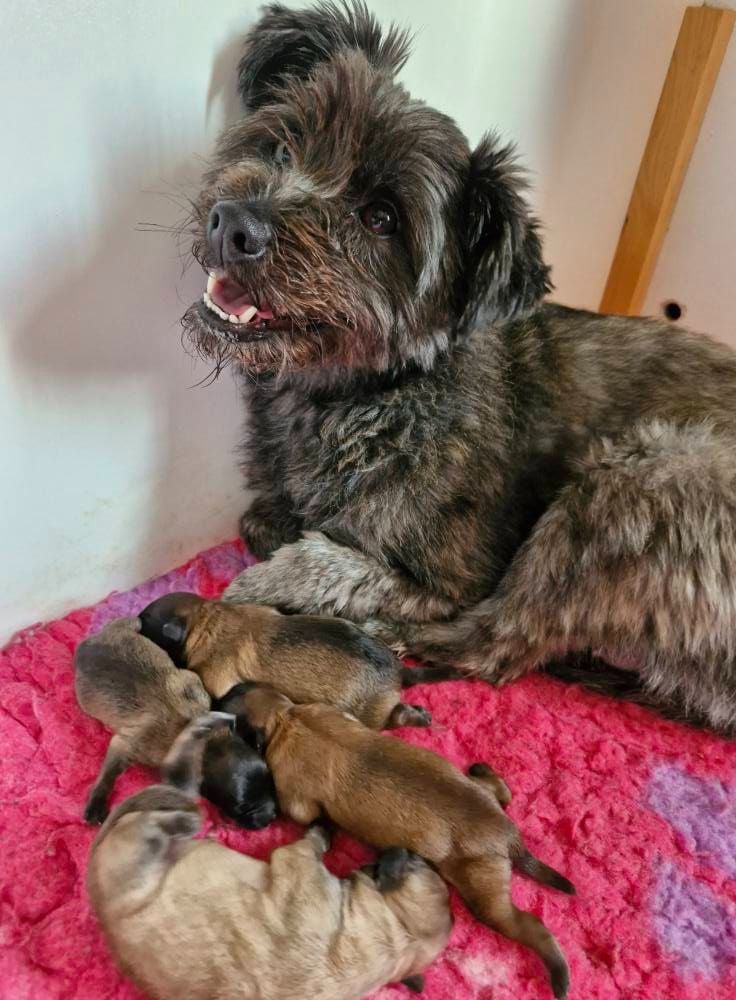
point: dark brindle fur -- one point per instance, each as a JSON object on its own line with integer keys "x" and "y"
{"x": 484, "y": 477}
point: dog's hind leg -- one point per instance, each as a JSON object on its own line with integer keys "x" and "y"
{"x": 635, "y": 560}
{"x": 182, "y": 767}
{"x": 407, "y": 715}
{"x": 484, "y": 884}
{"x": 115, "y": 762}
{"x": 484, "y": 773}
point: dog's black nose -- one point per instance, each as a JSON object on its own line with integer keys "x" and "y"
{"x": 238, "y": 231}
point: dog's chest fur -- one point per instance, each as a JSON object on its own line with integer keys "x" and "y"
{"x": 431, "y": 462}
{"x": 442, "y": 474}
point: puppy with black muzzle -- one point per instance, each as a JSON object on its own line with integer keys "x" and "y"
{"x": 307, "y": 657}
{"x": 387, "y": 792}
{"x": 192, "y": 919}
{"x": 132, "y": 687}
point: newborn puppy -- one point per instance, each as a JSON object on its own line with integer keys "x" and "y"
{"x": 192, "y": 918}
{"x": 309, "y": 658}
{"x": 387, "y": 792}
{"x": 132, "y": 687}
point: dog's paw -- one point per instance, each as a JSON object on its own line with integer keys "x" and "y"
{"x": 408, "y": 715}
{"x": 420, "y": 716}
{"x": 392, "y": 867}
{"x": 414, "y": 983}
{"x": 263, "y": 533}
{"x": 204, "y": 725}
{"x": 320, "y": 837}
{"x": 96, "y": 811}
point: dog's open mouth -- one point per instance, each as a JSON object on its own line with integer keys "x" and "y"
{"x": 240, "y": 315}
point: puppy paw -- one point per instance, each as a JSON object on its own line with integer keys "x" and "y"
{"x": 482, "y": 772}
{"x": 96, "y": 811}
{"x": 320, "y": 837}
{"x": 203, "y": 726}
{"x": 408, "y": 715}
{"x": 392, "y": 867}
{"x": 414, "y": 983}
{"x": 419, "y": 716}
{"x": 179, "y": 824}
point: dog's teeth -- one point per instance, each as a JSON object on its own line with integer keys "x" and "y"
{"x": 247, "y": 316}
{"x": 211, "y": 281}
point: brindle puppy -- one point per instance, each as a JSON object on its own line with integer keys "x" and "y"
{"x": 386, "y": 791}
{"x": 132, "y": 687}
{"x": 430, "y": 441}
{"x": 306, "y": 657}
{"x": 193, "y": 919}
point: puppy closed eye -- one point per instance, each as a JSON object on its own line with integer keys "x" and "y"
{"x": 380, "y": 218}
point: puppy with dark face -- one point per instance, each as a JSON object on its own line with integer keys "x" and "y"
{"x": 132, "y": 687}
{"x": 386, "y": 792}
{"x": 484, "y": 477}
{"x": 306, "y": 657}
{"x": 192, "y": 918}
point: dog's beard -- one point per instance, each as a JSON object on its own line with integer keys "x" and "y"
{"x": 291, "y": 310}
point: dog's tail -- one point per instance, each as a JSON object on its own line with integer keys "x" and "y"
{"x": 594, "y": 674}
{"x": 429, "y": 675}
{"x": 484, "y": 885}
{"x": 528, "y": 865}
{"x": 182, "y": 767}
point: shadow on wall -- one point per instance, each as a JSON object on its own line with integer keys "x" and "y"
{"x": 107, "y": 337}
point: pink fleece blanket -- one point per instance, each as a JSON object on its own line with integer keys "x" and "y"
{"x": 638, "y": 812}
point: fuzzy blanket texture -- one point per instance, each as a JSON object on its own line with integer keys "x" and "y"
{"x": 638, "y": 812}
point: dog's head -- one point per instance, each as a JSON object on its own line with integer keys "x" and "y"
{"x": 344, "y": 223}
{"x": 238, "y": 781}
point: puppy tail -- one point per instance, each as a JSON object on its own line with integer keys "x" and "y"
{"x": 528, "y": 865}
{"x": 182, "y": 767}
{"x": 429, "y": 675}
{"x": 484, "y": 884}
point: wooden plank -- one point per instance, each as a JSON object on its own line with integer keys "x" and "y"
{"x": 696, "y": 60}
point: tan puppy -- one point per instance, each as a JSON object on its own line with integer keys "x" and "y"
{"x": 132, "y": 687}
{"x": 310, "y": 659}
{"x": 386, "y": 792}
{"x": 193, "y": 920}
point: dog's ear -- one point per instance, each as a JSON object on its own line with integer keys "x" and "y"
{"x": 504, "y": 276}
{"x": 289, "y": 43}
{"x": 174, "y": 630}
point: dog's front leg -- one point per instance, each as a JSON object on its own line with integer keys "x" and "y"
{"x": 268, "y": 524}
{"x": 317, "y": 576}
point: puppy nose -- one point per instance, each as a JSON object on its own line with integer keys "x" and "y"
{"x": 262, "y": 817}
{"x": 238, "y": 231}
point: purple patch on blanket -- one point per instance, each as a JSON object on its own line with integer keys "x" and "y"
{"x": 702, "y": 810}
{"x": 692, "y": 925}
{"x": 206, "y": 575}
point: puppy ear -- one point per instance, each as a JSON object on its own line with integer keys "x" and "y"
{"x": 290, "y": 43}
{"x": 174, "y": 630}
{"x": 254, "y": 736}
{"x": 504, "y": 274}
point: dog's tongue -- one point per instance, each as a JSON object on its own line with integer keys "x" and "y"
{"x": 234, "y": 300}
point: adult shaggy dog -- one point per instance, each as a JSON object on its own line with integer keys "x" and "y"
{"x": 482, "y": 477}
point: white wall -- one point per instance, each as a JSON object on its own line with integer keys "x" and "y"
{"x": 697, "y": 266}
{"x": 112, "y": 467}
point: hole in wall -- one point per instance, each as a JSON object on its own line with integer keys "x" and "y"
{"x": 673, "y": 310}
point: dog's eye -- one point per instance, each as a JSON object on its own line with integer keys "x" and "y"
{"x": 282, "y": 154}
{"x": 379, "y": 218}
